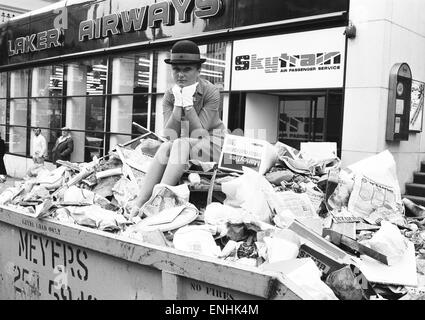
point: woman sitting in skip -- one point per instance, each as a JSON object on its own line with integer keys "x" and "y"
{"x": 191, "y": 121}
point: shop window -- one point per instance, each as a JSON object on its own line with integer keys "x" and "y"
{"x": 19, "y": 83}
{"x": 18, "y": 112}
{"x": 216, "y": 69}
{"x": 87, "y": 77}
{"x": 3, "y": 105}
{"x": 131, "y": 79}
{"x": 17, "y": 140}
{"x": 47, "y": 113}
{"x": 95, "y": 125}
{"x": 162, "y": 77}
{"x": 47, "y": 81}
{"x": 3, "y": 85}
{"x": 85, "y": 106}
{"x": 131, "y": 73}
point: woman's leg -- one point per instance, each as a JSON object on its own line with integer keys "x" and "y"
{"x": 155, "y": 172}
{"x": 179, "y": 157}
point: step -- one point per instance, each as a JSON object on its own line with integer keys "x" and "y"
{"x": 419, "y": 177}
{"x": 415, "y": 189}
{"x": 417, "y": 200}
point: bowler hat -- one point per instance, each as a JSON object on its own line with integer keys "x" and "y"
{"x": 65, "y": 129}
{"x": 185, "y": 52}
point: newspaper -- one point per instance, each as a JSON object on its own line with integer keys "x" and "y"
{"x": 288, "y": 206}
{"x": 368, "y": 195}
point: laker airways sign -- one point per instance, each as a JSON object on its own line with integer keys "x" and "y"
{"x": 138, "y": 19}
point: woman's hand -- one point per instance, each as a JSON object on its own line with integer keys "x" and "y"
{"x": 178, "y": 96}
{"x": 187, "y": 95}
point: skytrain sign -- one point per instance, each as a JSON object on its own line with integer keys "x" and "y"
{"x": 312, "y": 59}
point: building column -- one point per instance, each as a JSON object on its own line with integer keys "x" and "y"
{"x": 121, "y": 106}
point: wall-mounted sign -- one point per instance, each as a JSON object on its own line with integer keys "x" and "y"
{"x": 42, "y": 40}
{"x": 152, "y": 16}
{"x": 313, "y": 59}
{"x": 109, "y": 23}
{"x": 417, "y": 106}
{"x": 399, "y": 100}
{"x": 35, "y": 42}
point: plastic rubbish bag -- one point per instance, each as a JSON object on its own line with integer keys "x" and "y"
{"x": 282, "y": 245}
{"x": 280, "y": 249}
{"x": 96, "y": 217}
{"x": 164, "y": 197}
{"x": 322, "y": 156}
{"x": 292, "y": 158}
{"x": 341, "y": 195}
{"x": 315, "y": 195}
{"x": 74, "y": 194}
{"x": 137, "y": 159}
{"x": 196, "y": 239}
{"x": 389, "y": 241}
{"x": 53, "y": 180}
{"x": 149, "y": 146}
{"x": 248, "y": 192}
{"x": 10, "y": 193}
{"x": 63, "y": 215}
{"x": 345, "y": 285}
{"x": 37, "y": 192}
{"x": 218, "y": 214}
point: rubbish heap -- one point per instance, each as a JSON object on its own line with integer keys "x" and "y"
{"x": 338, "y": 233}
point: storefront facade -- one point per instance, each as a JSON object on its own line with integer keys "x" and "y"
{"x": 285, "y": 69}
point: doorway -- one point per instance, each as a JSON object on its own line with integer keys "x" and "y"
{"x": 315, "y": 116}
{"x": 301, "y": 119}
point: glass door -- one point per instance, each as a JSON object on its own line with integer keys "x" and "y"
{"x": 301, "y": 119}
